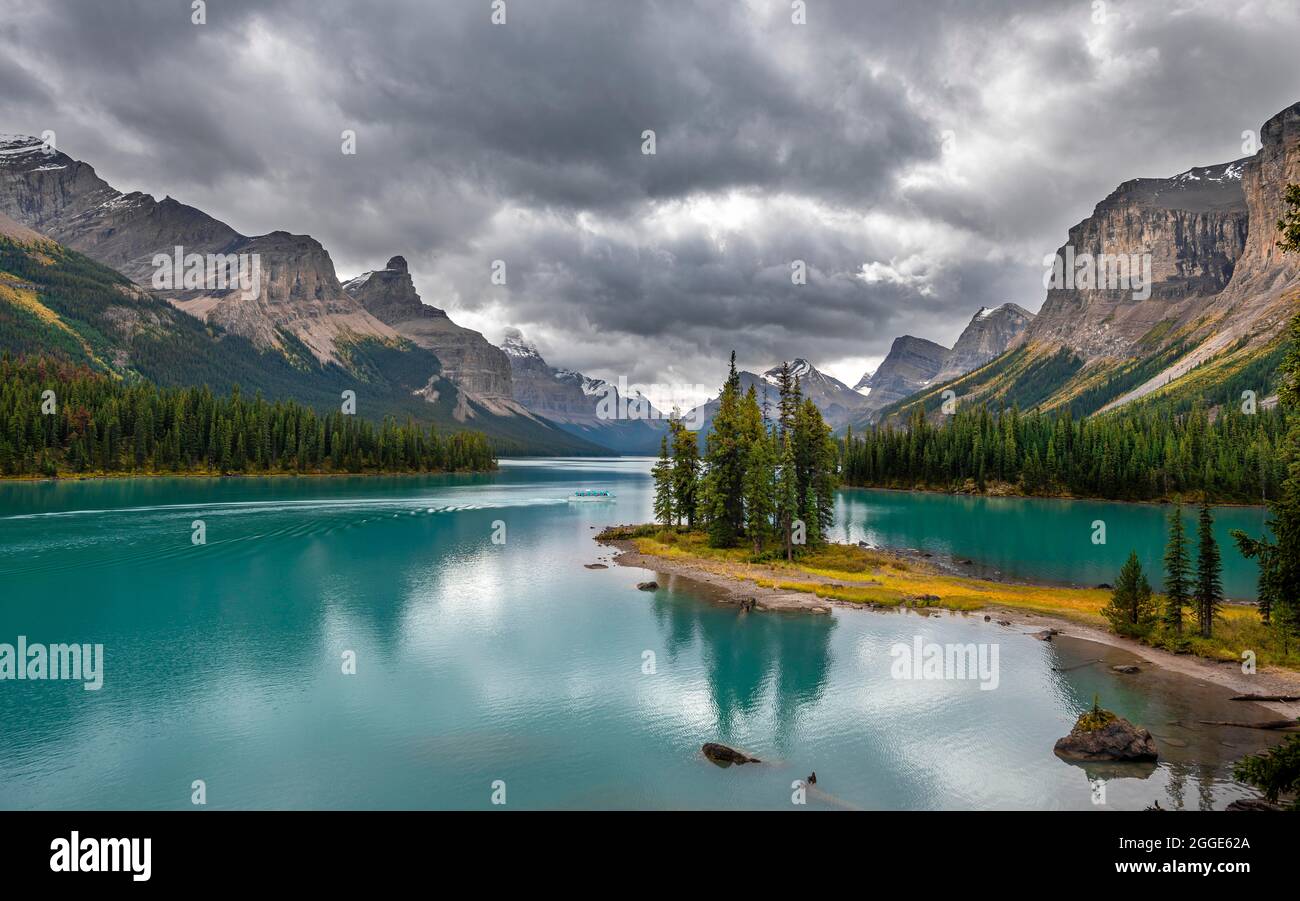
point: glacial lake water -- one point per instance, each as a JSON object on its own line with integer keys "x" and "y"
{"x": 484, "y": 666}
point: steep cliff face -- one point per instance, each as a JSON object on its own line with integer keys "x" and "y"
{"x": 1187, "y": 232}
{"x": 299, "y": 295}
{"x": 1221, "y": 292}
{"x": 468, "y": 359}
{"x": 1264, "y": 274}
{"x": 911, "y": 364}
{"x": 989, "y": 333}
{"x": 1260, "y": 297}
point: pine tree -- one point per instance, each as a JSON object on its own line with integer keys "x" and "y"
{"x": 1132, "y": 608}
{"x": 663, "y": 482}
{"x": 787, "y": 493}
{"x": 760, "y": 489}
{"x": 788, "y": 396}
{"x": 686, "y": 473}
{"x": 1177, "y": 574}
{"x": 1208, "y": 596}
{"x": 724, "y": 466}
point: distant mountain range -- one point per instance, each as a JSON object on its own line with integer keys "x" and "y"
{"x": 1208, "y": 322}
{"x": 911, "y": 365}
{"x": 309, "y": 337}
{"x": 585, "y": 406}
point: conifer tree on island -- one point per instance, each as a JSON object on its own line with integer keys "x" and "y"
{"x": 758, "y": 482}
{"x": 787, "y": 496}
{"x": 662, "y": 474}
{"x": 724, "y": 466}
{"x": 686, "y": 474}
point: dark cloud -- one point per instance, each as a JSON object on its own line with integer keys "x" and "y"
{"x": 944, "y": 146}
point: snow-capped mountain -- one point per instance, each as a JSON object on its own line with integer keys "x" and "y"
{"x": 576, "y": 401}
{"x": 989, "y": 333}
{"x": 839, "y": 404}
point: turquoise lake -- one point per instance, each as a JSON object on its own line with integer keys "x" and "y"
{"x": 482, "y": 664}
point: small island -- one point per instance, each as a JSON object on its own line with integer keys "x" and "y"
{"x": 1101, "y": 735}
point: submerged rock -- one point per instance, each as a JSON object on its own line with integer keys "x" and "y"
{"x": 647, "y": 586}
{"x": 595, "y": 566}
{"x": 1046, "y": 634}
{"x": 1127, "y": 669}
{"x": 1102, "y": 735}
{"x": 725, "y": 756}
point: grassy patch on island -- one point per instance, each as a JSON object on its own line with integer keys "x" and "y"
{"x": 857, "y": 575}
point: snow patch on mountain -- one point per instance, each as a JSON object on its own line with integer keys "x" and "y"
{"x": 516, "y": 345}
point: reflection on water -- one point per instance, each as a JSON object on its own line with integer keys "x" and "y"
{"x": 749, "y": 658}
{"x": 479, "y": 661}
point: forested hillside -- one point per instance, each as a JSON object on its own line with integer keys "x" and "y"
{"x": 1143, "y": 454}
{"x": 59, "y": 303}
{"x": 59, "y": 418}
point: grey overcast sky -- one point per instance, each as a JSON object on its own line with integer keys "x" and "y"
{"x": 921, "y": 157}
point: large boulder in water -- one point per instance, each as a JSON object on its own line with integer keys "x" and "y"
{"x": 1102, "y": 735}
{"x": 724, "y": 756}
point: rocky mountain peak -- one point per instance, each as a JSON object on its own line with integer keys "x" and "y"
{"x": 837, "y": 401}
{"x": 990, "y": 332}
{"x": 299, "y": 293}
{"x": 1186, "y": 231}
{"x": 911, "y": 364}
{"x": 15, "y": 146}
{"x": 468, "y": 359}
{"x": 520, "y": 348}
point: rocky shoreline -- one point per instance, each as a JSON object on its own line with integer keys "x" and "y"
{"x": 733, "y": 589}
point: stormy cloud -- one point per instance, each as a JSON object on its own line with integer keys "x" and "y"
{"x": 920, "y": 159}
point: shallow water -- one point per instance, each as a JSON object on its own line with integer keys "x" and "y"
{"x": 481, "y": 663}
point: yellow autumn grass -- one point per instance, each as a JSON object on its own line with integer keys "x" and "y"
{"x": 858, "y": 575}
